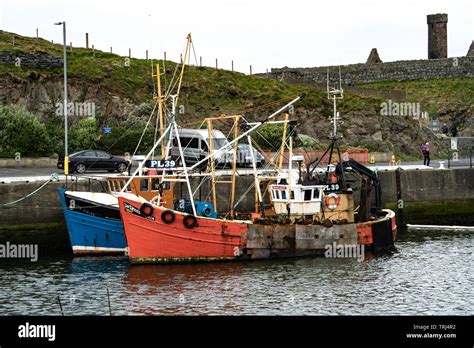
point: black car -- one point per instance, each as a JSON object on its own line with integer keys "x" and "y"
{"x": 94, "y": 159}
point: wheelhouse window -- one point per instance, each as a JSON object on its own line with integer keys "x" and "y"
{"x": 123, "y": 182}
{"x": 292, "y": 194}
{"x": 315, "y": 194}
{"x": 144, "y": 185}
{"x": 155, "y": 184}
{"x": 283, "y": 194}
{"x": 307, "y": 195}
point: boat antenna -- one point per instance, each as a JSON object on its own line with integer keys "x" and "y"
{"x": 335, "y": 93}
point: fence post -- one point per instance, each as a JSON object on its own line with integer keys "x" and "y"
{"x": 200, "y": 60}
{"x": 70, "y": 45}
{"x": 129, "y": 53}
{"x": 232, "y": 65}
{"x": 93, "y": 50}
{"x": 87, "y": 40}
{"x": 146, "y": 54}
{"x": 250, "y": 69}
{"x": 36, "y": 33}
{"x": 110, "y": 49}
{"x": 181, "y": 58}
{"x": 216, "y": 64}
{"x": 165, "y": 55}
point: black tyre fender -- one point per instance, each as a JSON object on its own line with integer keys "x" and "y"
{"x": 168, "y": 216}
{"x": 146, "y": 209}
{"x": 190, "y": 221}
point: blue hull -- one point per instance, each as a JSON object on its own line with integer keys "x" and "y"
{"x": 93, "y": 234}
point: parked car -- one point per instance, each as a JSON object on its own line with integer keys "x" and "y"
{"x": 94, "y": 159}
{"x": 244, "y": 156}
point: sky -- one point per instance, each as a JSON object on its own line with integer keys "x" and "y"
{"x": 261, "y": 33}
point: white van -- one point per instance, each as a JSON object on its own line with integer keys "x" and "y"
{"x": 195, "y": 144}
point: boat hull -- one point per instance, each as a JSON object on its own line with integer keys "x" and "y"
{"x": 101, "y": 233}
{"x": 151, "y": 240}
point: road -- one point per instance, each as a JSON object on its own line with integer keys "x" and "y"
{"x": 46, "y": 171}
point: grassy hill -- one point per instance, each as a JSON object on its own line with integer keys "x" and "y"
{"x": 123, "y": 96}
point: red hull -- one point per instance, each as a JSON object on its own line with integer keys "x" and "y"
{"x": 152, "y": 240}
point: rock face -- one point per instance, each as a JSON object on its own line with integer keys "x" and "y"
{"x": 470, "y": 52}
{"x": 40, "y": 60}
{"x": 41, "y": 95}
{"x": 373, "y": 57}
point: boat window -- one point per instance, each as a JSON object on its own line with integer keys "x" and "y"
{"x": 278, "y": 194}
{"x": 166, "y": 185}
{"x": 307, "y": 195}
{"x": 155, "y": 184}
{"x": 283, "y": 194}
{"x": 316, "y": 194}
{"x": 129, "y": 189}
{"x": 144, "y": 185}
{"x": 292, "y": 195}
{"x": 112, "y": 186}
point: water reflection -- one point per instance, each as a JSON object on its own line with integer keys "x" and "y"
{"x": 430, "y": 273}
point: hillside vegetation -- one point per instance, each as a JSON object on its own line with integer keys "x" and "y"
{"x": 123, "y": 95}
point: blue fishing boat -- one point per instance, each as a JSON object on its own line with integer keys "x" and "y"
{"x": 93, "y": 222}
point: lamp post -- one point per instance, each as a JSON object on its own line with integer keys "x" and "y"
{"x": 66, "y": 158}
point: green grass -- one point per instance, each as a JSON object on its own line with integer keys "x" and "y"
{"x": 434, "y": 95}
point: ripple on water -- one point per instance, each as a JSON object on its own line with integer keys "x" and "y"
{"x": 429, "y": 274}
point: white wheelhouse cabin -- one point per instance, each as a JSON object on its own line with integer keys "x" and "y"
{"x": 302, "y": 200}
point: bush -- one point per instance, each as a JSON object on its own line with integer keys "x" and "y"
{"x": 305, "y": 142}
{"x": 84, "y": 135}
{"x": 21, "y": 132}
{"x": 269, "y": 136}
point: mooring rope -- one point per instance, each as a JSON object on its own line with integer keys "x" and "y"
{"x": 53, "y": 177}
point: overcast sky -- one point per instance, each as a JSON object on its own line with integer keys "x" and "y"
{"x": 264, "y": 33}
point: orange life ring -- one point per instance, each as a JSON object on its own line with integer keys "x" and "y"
{"x": 332, "y": 201}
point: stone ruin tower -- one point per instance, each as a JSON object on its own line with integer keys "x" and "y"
{"x": 437, "y": 36}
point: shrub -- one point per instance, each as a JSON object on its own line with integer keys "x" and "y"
{"x": 21, "y": 132}
{"x": 84, "y": 135}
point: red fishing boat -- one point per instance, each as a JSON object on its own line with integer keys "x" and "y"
{"x": 306, "y": 213}
{"x": 157, "y": 234}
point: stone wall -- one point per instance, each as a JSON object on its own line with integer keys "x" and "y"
{"x": 40, "y": 60}
{"x": 392, "y": 71}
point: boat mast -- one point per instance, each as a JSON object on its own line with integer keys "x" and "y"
{"x": 160, "y": 107}
{"x": 174, "y": 98}
{"x": 234, "y": 165}
{"x": 283, "y": 143}
{"x": 188, "y": 41}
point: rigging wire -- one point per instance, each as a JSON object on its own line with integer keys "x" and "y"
{"x": 144, "y": 130}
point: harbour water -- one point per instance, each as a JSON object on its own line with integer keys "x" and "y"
{"x": 429, "y": 274}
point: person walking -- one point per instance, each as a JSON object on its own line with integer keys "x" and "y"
{"x": 425, "y": 150}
